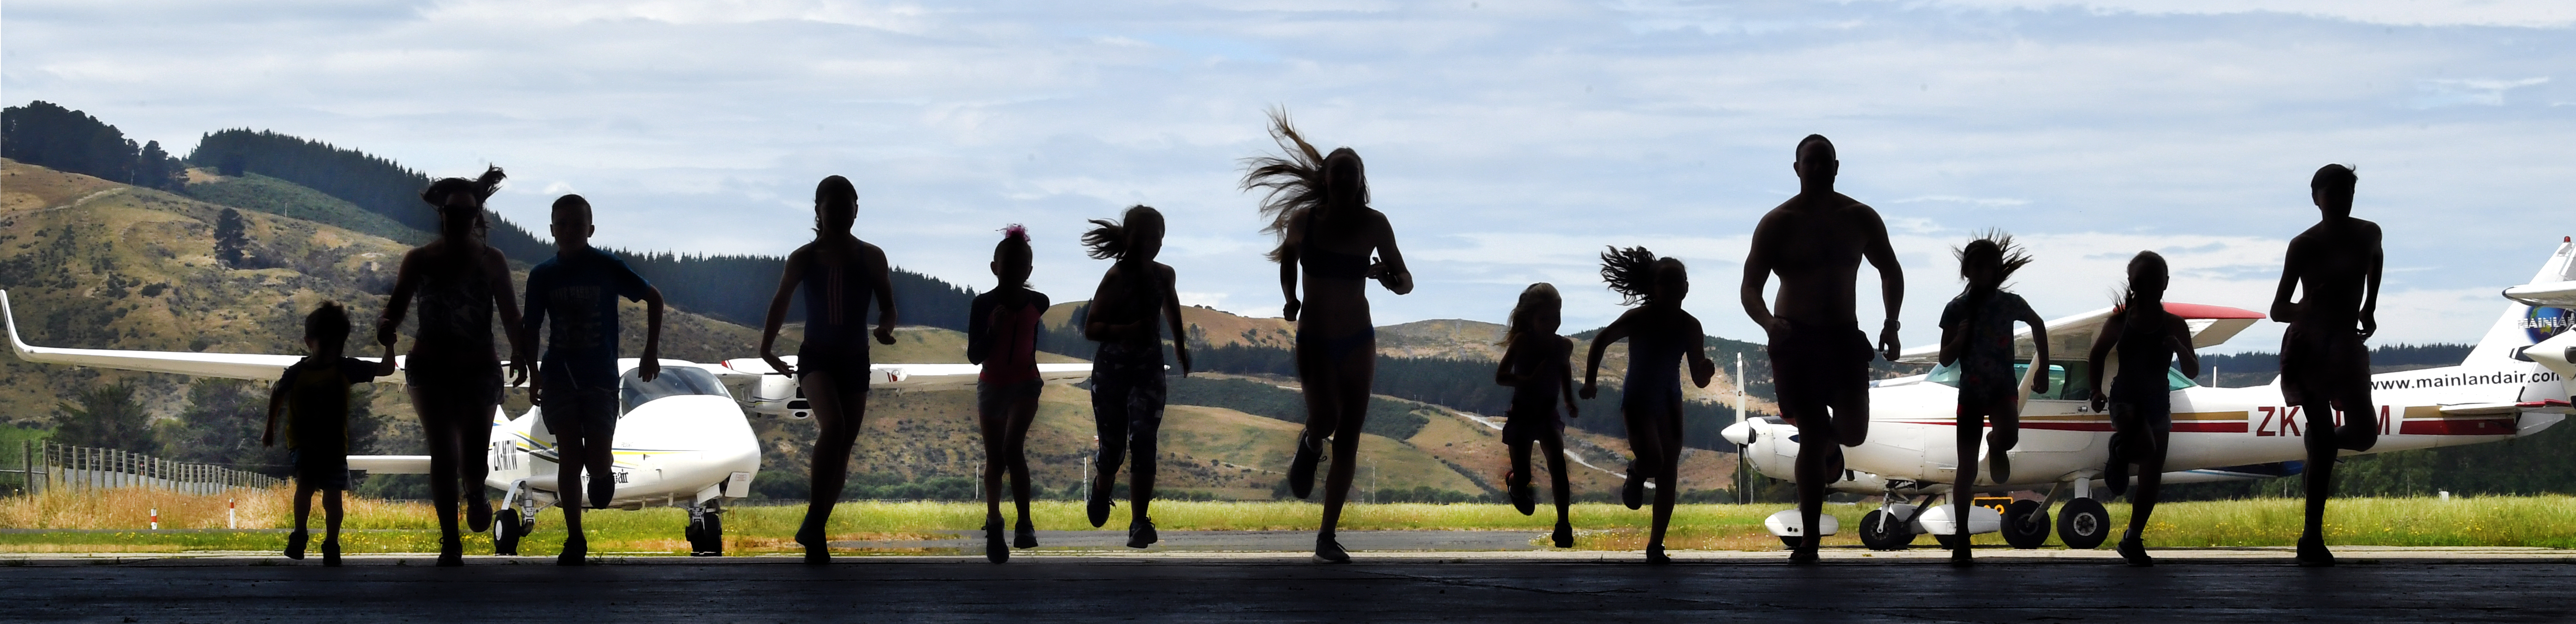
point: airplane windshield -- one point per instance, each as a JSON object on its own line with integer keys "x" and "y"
{"x": 673, "y": 381}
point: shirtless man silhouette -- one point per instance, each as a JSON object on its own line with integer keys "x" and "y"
{"x": 1819, "y": 356}
{"x": 2324, "y": 365}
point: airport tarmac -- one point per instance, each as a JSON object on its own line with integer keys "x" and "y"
{"x": 1218, "y": 580}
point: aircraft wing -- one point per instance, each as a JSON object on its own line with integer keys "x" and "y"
{"x": 898, "y": 376}
{"x": 390, "y": 464}
{"x": 261, "y": 367}
{"x": 2070, "y": 337}
{"x": 2552, "y": 294}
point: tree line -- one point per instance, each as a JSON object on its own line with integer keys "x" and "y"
{"x": 48, "y": 135}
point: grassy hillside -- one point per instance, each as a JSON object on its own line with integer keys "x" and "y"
{"x": 286, "y": 199}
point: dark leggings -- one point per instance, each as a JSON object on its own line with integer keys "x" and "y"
{"x": 1127, "y": 407}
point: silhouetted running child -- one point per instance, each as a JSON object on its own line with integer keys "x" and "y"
{"x": 1538, "y": 365}
{"x": 577, "y": 381}
{"x": 1134, "y": 297}
{"x": 454, "y": 373}
{"x": 840, "y": 275}
{"x": 1819, "y": 355}
{"x": 314, "y": 393}
{"x": 1319, "y": 206}
{"x": 1659, "y": 334}
{"x": 1977, "y": 337}
{"x": 2149, "y": 340}
{"x": 1001, "y": 333}
{"x": 2325, "y": 368}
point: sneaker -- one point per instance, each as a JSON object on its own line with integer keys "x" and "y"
{"x": 1301, "y": 470}
{"x": 2356, "y": 437}
{"x": 295, "y": 544}
{"x": 1098, "y": 504}
{"x": 1524, "y": 497}
{"x": 1327, "y": 550}
{"x": 331, "y": 552}
{"x": 818, "y": 551}
{"x": 2313, "y": 553}
{"x": 1804, "y": 555}
{"x": 451, "y": 553}
{"x": 1026, "y": 535}
{"x": 1961, "y": 557}
{"x": 2115, "y": 475}
{"x": 601, "y": 492}
{"x": 1633, "y": 493}
{"x": 2135, "y": 550}
{"x": 1655, "y": 555}
{"x": 1999, "y": 466}
{"x": 1140, "y": 533}
{"x": 1564, "y": 534}
{"x": 478, "y": 513}
{"x": 994, "y": 550}
{"x": 576, "y": 551}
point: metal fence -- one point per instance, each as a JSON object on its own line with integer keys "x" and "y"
{"x": 49, "y": 466}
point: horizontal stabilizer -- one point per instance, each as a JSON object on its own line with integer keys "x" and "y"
{"x": 2552, "y": 294}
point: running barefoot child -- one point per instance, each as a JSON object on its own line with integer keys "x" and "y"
{"x": 1001, "y": 334}
{"x": 1127, "y": 372}
{"x": 314, "y": 393}
{"x": 2141, "y": 404}
{"x": 1977, "y": 337}
{"x": 1659, "y": 334}
{"x": 840, "y": 276}
{"x": 576, "y": 384}
{"x": 1536, "y": 364}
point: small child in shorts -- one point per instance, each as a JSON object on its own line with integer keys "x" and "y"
{"x": 314, "y": 394}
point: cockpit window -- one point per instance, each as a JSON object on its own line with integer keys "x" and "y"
{"x": 633, "y": 390}
{"x": 2058, "y": 388}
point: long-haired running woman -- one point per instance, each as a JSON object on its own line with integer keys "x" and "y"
{"x": 454, "y": 373}
{"x": 840, "y": 274}
{"x": 1319, "y": 206}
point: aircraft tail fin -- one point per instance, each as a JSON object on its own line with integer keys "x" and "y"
{"x": 2524, "y": 324}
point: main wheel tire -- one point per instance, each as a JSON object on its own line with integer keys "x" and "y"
{"x": 507, "y": 528}
{"x": 706, "y": 539}
{"x": 1880, "y": 531}
{"x": 2083, "y": 524}
{"x": 2026, "y": 524}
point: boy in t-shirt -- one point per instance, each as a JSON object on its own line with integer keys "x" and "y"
{"x": 576, "y": 380}
{"x": 314, "y": 393}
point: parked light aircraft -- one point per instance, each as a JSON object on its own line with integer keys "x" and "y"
{"x": 682, "y": 439}
{"x": 2512, "y": 384}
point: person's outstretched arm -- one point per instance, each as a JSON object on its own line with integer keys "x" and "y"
{"x": 2102, "y": 343}
{"x": 1891, "y": 282}
{"x": 1389, "y": 270}
{"x": 651, "y": 367}
{"x": 1172, "y": 314}
{"x": 2185, "y": 356}
{"x": 884, "y": 283}
{"x": 406, "y": 282}
{"x": 787, "y": 281}
{"x": 977, "y": 325}
{"x": 2039, "y": 347}
{"x": 1757, "y": 273}
{"x": 1618, "y": 330}
{"x": 1560, "y": 361}
{"x": 2370, "y": 297}
{"x": 1702, "y": 369}
{"x": 276, "y": 403}
{"x": 1288, "y": 269}
{"x": 505, "y": 298}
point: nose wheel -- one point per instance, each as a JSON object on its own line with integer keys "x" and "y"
{"x": 2026, "y": 524}
{"x": 706, "y": 530}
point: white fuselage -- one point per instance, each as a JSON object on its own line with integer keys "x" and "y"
{"x": 678, "y": 450}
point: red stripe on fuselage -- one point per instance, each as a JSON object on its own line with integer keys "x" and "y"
{"x": 2456, "y": 426}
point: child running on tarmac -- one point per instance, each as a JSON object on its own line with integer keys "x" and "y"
{"x": 314, "y": 393}
{"x": 2149, "y": 340}
{"x": 1977, "y": 337}
{"x": 1537, "y": 365}
{"x": 1136, "y": 296}
{"x": 1001, "y": 334}
{"x": 1659, "y": 334}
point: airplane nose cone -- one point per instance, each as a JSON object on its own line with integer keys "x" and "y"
{"x": 1740, "y": 433}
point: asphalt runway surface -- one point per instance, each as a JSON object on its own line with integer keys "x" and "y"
{"x": 2217, "y": 585}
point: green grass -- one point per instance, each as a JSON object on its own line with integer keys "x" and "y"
{"x": 406, "y": 527}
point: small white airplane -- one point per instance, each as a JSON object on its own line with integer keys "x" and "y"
{"x": 682, "y": 439}
{"x": 2514, "y": 383}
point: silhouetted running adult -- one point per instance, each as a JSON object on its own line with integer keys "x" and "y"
{"x": 1135, "y": 296}
{"x": 577, "y": 379}
{"x": 2325, "y": 368}
{"x": 1819, "y": 356}
{"x": 1319, "y": 206}
{"x": 839, "y": 276}
{"x": 2140, "y": 398}
{"x": 1538, "y": 366}
{"x": 1660, "y": 337}
{"x": 454, "y": 374}
{"x": 1001, "y": 334}
{"x": 1977, "y": 337}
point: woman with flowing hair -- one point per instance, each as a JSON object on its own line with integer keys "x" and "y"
{"x": 1977, "y": 338}
{"x": 839, "y": 275}
{"x": 1318, "y": 204}
{"x": 454, "y": 374}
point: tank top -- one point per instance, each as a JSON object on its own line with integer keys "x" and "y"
{"x": 2144, "y": 357}
{"x": 1013, "y": 358}
{"x": 836, "y": 313}
{"x": 1654, "y": 360}
{"x": 455, "y": 311}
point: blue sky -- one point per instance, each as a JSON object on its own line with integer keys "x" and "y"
{"x": 1507, "y": 141}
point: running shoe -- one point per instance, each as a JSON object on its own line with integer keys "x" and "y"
{"x": 576, "y": 551}
{"x": 331, "y": 552}
{"x": 2135, "y": 550}
{"x": 1301, "y": 470}
{"x": 994, "y": 550}
{"x": 1140, "y": 533}
{"x": 1633, "y": 493}
{"x": 1098, "y": 504}
{"x": 1026, "y": 535}
{"x": 1328, "y": 550}
{"x": 818, "y": 550}
{"x": 1655, "y": 555}
{"x": 478, "y": 513}
{"x": 295, "y": 544}
{"x": 451, "y": 553}
{"x": 1804, "y": 555}
{"x": 2356, "y": 436}
{"x": 1524, "y": 497}
{"x": 1998, "y": 466}
{"x": 1564, "y": 534}
{"x": 2313, "y": 553}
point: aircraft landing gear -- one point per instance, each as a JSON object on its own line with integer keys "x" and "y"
{"x": 2026, "y": 524}
{"x": 2083, "y": 524}
{"x": 1888, "y": 528}
{"x": 506, "y": 531}
{"x": 706, "y": 530}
